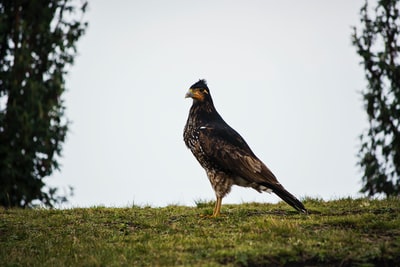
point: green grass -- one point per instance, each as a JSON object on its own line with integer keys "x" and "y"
{"x": 344, "y": 232}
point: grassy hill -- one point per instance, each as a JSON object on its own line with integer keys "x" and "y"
{"x": 343, "y": 232}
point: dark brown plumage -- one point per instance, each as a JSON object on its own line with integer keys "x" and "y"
{"x": 224, "y": 154}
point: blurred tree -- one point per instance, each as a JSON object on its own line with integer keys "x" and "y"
{"x": 37, "y": 45}
{"x": 378, "y": 45}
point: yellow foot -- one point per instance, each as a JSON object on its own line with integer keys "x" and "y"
{"x": 208, "y": 216}
{"x": 217, "y": 209}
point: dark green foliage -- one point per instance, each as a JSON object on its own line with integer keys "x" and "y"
{"x": 378, "y": 45}
{"x": 37, "y": 45}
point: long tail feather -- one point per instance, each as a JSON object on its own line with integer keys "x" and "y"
{"x": 289, "y": 198}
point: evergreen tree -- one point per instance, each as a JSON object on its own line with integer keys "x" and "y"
{"x": 377, "y": 43}
{"x": 37, "y": 45}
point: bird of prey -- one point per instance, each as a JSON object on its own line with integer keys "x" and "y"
{"x": 224, "y": 154}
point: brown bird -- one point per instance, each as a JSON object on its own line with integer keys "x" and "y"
{"x": 224, "y": 154}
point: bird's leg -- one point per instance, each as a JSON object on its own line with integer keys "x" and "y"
{"x": 217, "y": 207}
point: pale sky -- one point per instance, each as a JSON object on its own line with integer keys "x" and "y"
{"x": 282, "y": 73}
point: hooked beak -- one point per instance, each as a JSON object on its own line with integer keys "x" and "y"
{"x": 189, "y": 93}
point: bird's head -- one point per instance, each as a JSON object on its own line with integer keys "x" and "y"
{"x": 199, "y": 91}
